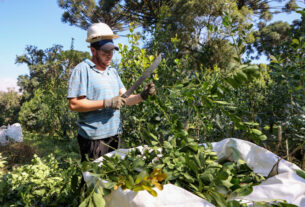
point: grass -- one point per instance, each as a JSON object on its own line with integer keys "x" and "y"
{"x": 16, "y": 154}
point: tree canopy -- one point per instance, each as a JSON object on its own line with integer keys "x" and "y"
{"x": 198, "y": 25}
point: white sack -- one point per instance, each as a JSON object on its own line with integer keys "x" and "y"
{"x": 14, "y": 132}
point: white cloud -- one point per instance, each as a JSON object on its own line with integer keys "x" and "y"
{"x": 6, "y": 83}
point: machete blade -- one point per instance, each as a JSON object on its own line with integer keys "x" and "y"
{"x": 143, "y": 77}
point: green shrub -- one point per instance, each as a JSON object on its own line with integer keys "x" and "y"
{"x": 45, "y": 182}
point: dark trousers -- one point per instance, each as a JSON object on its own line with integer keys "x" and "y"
{"x": 94, "y": 149}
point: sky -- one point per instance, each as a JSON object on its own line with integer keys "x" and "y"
{"x": 38, "y": 23}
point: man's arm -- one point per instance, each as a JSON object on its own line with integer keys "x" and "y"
{"x": 81, "y": 104}
{"x": 132, "y": 99}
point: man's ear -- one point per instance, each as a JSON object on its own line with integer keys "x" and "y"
{"x": 93, "y": 50}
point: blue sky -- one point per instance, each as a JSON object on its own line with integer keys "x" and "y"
{"x": 31, "y": 22}
{"x": 38, "y": 23}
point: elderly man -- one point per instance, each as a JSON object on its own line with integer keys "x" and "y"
{"x": 95, "y": 90}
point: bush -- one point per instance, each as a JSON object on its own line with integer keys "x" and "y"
{"x": 44, "y": 182}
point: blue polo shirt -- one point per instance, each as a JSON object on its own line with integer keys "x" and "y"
{"x": 87, "y": 80}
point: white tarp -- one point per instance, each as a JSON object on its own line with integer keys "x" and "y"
{"x": 286, "y": 185}
{"x": 170, "y": 196}
{"x": 12, "y": 133}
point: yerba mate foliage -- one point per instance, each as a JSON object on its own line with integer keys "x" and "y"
{"x": 42, "y": 183}
{"x": 179, "y": 160}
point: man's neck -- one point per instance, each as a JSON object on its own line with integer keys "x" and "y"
{"x": 98, "y": 66}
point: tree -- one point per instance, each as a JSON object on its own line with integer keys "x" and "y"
{"x": 85, "y": 12}
{"x": 271, "y": 39}
{"x": 45, "y": 108}
{"x": 298, "y": 26}
{"x": 196, "y": 24}
{"x": 263, "y": 8}
{"x": 41, "y": 69}
{"x": 9, "y": 107}
{"x": 275, "y": 38}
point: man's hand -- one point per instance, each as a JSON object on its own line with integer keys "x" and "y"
{"x": 116, "y": 102}
{"x": 149, "y": 90}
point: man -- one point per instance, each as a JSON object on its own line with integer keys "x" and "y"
{"x": 95, "y": 90}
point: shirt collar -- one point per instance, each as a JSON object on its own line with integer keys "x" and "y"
{"x": 93, "y": 66}
{"x": 90, "y": 63}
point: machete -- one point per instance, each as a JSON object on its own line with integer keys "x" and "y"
{"x": 145, "y": 75}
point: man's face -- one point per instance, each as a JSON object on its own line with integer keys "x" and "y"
{"x": 103, "y": 58}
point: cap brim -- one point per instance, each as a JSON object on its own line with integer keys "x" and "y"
{"x": 108, "y": 47}
{"x": 104, "y": 37}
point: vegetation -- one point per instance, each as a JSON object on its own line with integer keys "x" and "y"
{"x": 207, "y": 90}
{"x": 9, "y": 107}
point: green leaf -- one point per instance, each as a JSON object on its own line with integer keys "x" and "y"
{"x": 210, "y": 28}
{"x": 222, "y": 102}
{"x": 295, "y": 41}
{"x": 256, "y": 132}
{"x": 222, "y": 175}
{"x": 302, "y": 12}
{"x": 237, "y": 59}
{"x": 232, "y": 82}
{"x": 167, "y": 145}
{"x": 138, "y": 188}
{"x": 219, "y": 199}
{"x": 108, "y": 185}
{"x": 194, "y": 187}
{"x": 150, "y": 190}
{"x": 85, "y": 203}
{"x": 300, "y": 87}
{"x": 98, "y": 200}
{"x": 242, "y": 75}
{"x": 235, "y": 204}
{"x": 301, "y": 173}
{"x": 141, "y": 176}
{"x": 226, "y": 21}
{"x": 273, "y": 59}
{"x": 262, "y": 137}
{"x": 188, "y": 177}
{"x": 244, "y": 190}
{"x": 192, "y": 165}
{"x": 153, "y": 136}
{"x": 39, "y": 192}
{"x": 138, "y": 163}
{"x": 206, "y": 177}
{"x": 193, "y": 146}
{"x": 227, "y": 182}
